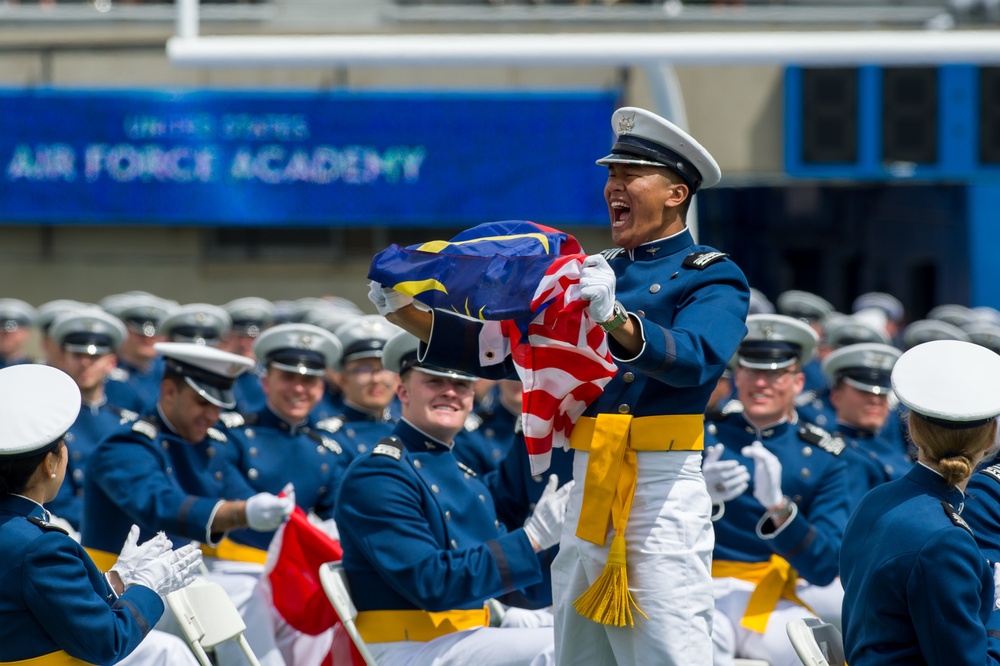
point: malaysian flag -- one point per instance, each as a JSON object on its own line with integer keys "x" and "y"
{"x": 523, "y": 280}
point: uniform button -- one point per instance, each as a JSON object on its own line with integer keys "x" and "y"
{"x": 165, "y": 445}
{"x": 447, "y": 515}
{"x": 496, "y": 523}
{"x": 434, "y": 488}
{"x": 350, "y": 432}
{"x": 416, "y": 463}
{"x": 454, "y": 544}
{"x": 537, "y": 478}
{"x": 482, "y": 498}
{"x": 797, "y": 499}
{"x": 805, "y": 472}
{"x": 888, "y": 469}
{"x": 253, "y": 452}
{"x": 623, "y": 409}
{"x": 640, "y": 313}
{"x": 324, "y": 468}
{"x": 250, "y": 433}
{"x": 362, "y": 448}
{"x": 252, "y": 474}
{"x": 712, "y": 429}
{"x": 820, "y": 419}
{"x": 170, "y": 470}
{"x": 467, "y": 476}
{"x": 322, "y": 489}
{"x": 77, "y": 455}
{"x": 807, "y": 451}
{"x": 489, "y": 432}
{"x": 78, "y": 474}
{"x": 210, "y": 451}
{"x": 218, "y": 476}
{"x": 653, "y": 288}
{"x": 320, "y": 449}
{"x": 629, "y": 377}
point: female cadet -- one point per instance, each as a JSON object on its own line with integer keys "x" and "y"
{"x": 917, "y": 588}
{"x": 56, "y": 608}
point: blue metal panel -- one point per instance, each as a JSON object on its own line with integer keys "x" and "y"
{"x": 984, "y": 244}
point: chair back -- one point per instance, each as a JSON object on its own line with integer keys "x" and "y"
{"x": 207, "y": 617}
{"x": 334, "y": 580}
{"x": 817, "y": 643}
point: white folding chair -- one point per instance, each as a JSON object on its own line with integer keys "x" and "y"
{"x": 334, "y": 581}
{"x": 817, "y": 643}
{"x": 208, "y": 617}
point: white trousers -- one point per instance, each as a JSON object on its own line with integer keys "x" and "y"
{"x": 479, "y": 647}
{"x": 669, "y": 541}
{"x": 733, "y": 640}
{"x": 159, "y": 648}
{"x": 827, "y": 601}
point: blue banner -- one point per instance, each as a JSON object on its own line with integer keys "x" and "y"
{"x": 302, "y": 159}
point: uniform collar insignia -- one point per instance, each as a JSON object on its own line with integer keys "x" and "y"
{"x": 653, "y": 250}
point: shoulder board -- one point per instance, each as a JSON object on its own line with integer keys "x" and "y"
{"x": 389, "y": 446}
{"x": 702, "y": 260}
{"x": 465, "y": 468}
{"x": 612, "y": 252}
{"x": 48, "y": 527}
{"x": 327, "y": 443}
{"x": 821, "y": 438}
{"x": 993, "y": 471}
{"x": 146, "y": 428}
{"x": 955, "y": 518}
{"x": 232, "y": 419}
{"x": 217, "y": 435}
{"x": 125, "y": 415}
{"x": 473, "y": 421}
{"x": 119, "y": 375}
{"x": 804, "y": 398}
{"x": 331, "y": 425}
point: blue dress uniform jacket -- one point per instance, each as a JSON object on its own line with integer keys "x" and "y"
{"x": 917, "y": 589}
{"x": 813, "y": 475}
{"x": 52, "y": 597}
{"x": 94, "y": 423}
{"x": 865, "y": 467}
{"x": 329, "y": 406}
{"x": 356, "y": 431}
{"x": 814, "y": 406}
{"x": 982, "y": 510}
{"x": 270, "y": 453}
{"x": 421, "y": 533}
{"x": 692, "y": 319}
{"x": 145, "y": 473}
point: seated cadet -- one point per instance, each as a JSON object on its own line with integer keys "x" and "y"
{"x": 276, "y": 446}
{"x": 251, "y": 316}
{"x": 426, "y": 550}
{"x": 917, "y": 587}
{"x": 810, "y": 309}
{"x": 491, "y": 428}
{"x": 860, "y": 376}
{"x": 140, "y": 369}
{"x": 790, "y": 522}
{"x": 888, "y": 308}
{"x": 58, "y": 608}
{"x": 367, "y": 388}
{"x": 173, "y": 471}
{"x": 814, "y": 405}
{"x": 198, "y": 323}
{"x": 85, "y": 341}
{"x": 16, "y": 319}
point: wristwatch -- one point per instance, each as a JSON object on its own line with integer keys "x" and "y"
{"x": 618, "y": 317}
{"x": 783, "y": 512}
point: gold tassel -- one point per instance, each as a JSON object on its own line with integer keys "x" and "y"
{"x": 608, "y": 600}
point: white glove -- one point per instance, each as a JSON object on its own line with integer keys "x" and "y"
{"x": 996, "y": 586}
{"x": 597, "y": 285}
{"x": 766, "y": 475}
{"x": 134, "y": 556}
{"x": 170, "y": 571}
{"x": 544, "y": 525}
{"x": 387, "y": 299}
{"x": 266, "y": 512}
{"x": 725, "y": 479}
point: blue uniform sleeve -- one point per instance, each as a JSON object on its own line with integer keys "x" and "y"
{"x": 982, "y": 512}
{"x": 70, "y": 599}
{"x": 393, "y": 534}
{"x": 811, "y": 540}
{"x": 708, "y": 325}
{"x": 134, "y": 477}
{"x": 947, "y": 589}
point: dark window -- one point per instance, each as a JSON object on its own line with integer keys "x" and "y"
{"x": 909, "y": 115}
{"x": 830, "y": 116}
